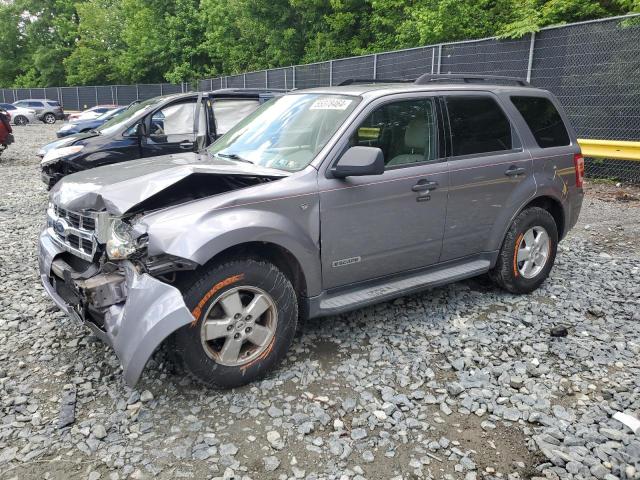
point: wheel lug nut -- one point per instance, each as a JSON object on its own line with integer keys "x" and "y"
{"x": 236, "y": 336}
{"x": 247, "y": 330}
{"x": 229, "y": 328}
{"x": 237, "y": 316}
{"x": 247, "y": 318}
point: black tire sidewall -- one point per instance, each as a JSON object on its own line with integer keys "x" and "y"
{"x": 220, "y": 279}
{"x": 506, "y": 272}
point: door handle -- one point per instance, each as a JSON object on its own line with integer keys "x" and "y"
{"x": 186, "y": 145}
{"x": 514, "y": 171}
{"x": 424, "y": 186}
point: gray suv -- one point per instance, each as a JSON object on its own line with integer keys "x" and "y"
{"x": 47, "y": 111}
{"x": 321, "y": 201}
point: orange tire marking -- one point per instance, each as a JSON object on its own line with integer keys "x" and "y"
{"x": 197, "y": 311}
{"x": 262, "y": 356}
{"x": 515, "y": 256}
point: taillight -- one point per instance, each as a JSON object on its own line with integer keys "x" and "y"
{"x": 578, "y": 162}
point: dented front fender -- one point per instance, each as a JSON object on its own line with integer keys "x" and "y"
{"x": 152, "y": 311}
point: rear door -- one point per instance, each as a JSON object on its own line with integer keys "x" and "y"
{"x": 174, "y": 128}
{"x": 380, "y": 225}
{"x": 37, "y": 106}
{"x": 487, "y": 165}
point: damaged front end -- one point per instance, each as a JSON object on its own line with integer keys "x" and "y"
{"x": 119, "y": 299}
{"x": 95, "y": 258}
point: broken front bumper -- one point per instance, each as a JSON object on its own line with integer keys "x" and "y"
{"x": 147, "y": 312}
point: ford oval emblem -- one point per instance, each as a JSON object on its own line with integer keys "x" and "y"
{"x": 60, "y": 227}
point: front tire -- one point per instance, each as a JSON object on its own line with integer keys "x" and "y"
{"x": 21, "y": 120}
{"x": 49, "y": 119}
{"x": 528, "y": 252}
{"x": 246, "y": 314}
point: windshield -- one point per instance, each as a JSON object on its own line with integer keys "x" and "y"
{"x": 135, "y": 111}
{"x": 110, "y": 113}
{"x": 288, "y": 132}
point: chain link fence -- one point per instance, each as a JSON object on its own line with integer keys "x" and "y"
{"x": 81, "y": 98}
{"x": 593, "y": 67}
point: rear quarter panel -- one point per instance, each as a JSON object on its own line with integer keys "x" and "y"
{"x": 553, "y": 168}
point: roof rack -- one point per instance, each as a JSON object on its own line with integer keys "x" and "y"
{"x": 467, "y": 78}
{"x": 354, "y": 81}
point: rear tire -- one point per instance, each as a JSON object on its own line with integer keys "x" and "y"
{"x": 226, "y": 346}
{"x": 20, "y": 120}
{"x": 528, "y": 252}
{"x": 49, "y": 118}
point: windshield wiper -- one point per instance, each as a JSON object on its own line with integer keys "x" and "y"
{"x": 234, "y": 156}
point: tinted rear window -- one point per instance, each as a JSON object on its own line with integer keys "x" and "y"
{"x": 35, "y": 104}
{"x": 544, "y": 121}
{"x": 53, "y": 103}
{"x": 478, "y": 125}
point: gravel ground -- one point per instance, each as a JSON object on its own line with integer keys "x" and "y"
{"x": 463, "y": 381}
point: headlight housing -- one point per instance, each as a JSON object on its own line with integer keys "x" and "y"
{"x": 53, "y": 155}
{"x": 121, "y": 243}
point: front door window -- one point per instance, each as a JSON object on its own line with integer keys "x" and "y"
{"x": 405, "y": 131}
{"x": 175, "y": 123}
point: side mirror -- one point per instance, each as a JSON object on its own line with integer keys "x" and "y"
{"x": 359, "y": 161}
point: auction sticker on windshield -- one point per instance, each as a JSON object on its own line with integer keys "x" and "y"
{"x": 330, "y": 103}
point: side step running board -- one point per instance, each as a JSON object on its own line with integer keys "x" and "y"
{"x": 387, "y": 290}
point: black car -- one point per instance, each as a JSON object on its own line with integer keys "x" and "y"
{"x": 158, "y": 126}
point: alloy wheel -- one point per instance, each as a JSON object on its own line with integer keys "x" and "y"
{"x": 533, "y": 252}
{"x": 50, "y": 118}
{"x": 239, "y": 326}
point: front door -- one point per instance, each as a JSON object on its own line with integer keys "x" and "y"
{"x": 487, "y": 165}
{"x": 379, "y": 225}
{"x": 173, "y": 129}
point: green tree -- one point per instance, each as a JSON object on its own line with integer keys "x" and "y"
{"x": 338, "y": 28}
{"x": 185, "y": 33}
{"x": 53, "y": 42}
{"x": 93, "y": 60}
{"x": 48, "y": 29}
{"x": 13, "y": 51}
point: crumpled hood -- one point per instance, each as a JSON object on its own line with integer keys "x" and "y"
{"x": 119, "y": 187}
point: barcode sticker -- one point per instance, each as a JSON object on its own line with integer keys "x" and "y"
{"x": 330, "y": 103}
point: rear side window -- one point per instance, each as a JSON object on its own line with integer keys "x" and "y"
{"x": 478, "y": 125}
{"x": 544, "y": 121}
{"x": 36, "y": 104}
{"x": 53, "y": 103}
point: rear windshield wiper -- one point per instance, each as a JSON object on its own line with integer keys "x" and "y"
{"x": 234, "y": 156}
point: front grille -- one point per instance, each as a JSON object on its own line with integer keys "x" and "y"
{"x": 74, "y": 219}
{"x": 75, "y": 231}
{"x": 80, "y": 243}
